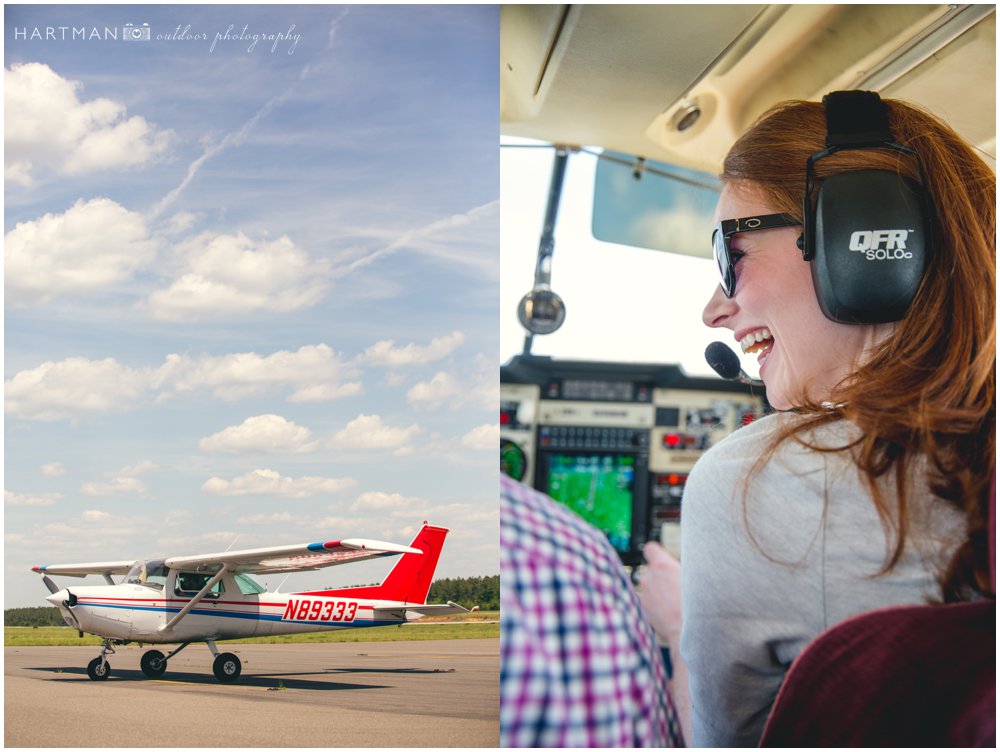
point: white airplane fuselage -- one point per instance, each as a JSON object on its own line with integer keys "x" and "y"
{"x": 140, "y": 613}
{"x": 212, "y": 597}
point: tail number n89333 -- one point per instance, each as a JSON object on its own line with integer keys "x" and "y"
{"x": 319, "y": 609}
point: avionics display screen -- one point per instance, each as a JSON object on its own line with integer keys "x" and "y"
{"x": 599, "y": 488}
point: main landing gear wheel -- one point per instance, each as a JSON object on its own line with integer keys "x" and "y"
{"x": 98, "y": 669}
{"x": 153, "y": 664}
{"x": 227, "y": 667}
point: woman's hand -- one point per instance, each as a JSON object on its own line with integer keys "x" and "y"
{"x": 660, "y": 592}
{"x": 660, "y": 595}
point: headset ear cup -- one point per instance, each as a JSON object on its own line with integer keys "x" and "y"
{"x": 805, "y": 241}
{"x": 869, "y": 246}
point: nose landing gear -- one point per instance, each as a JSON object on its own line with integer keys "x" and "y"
{"x": 99, "y": 669}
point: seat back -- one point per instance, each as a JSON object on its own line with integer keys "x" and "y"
{"x": 914, "y": 676}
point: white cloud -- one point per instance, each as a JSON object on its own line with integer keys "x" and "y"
{"x": 181, "y": 222}
{"x": 94, "y": 246}
{"x": 30, "y": 500}
{"x": 123, "y": 481}
{"x": 314, "y": 371}
{"x": 74, "y": 387}
{"x": 369, "y": 432}
{"x": 384, "y": 352}
{"x": 336, "y": 524}
{"x": 486, "y": 436}
{"x": 115, "y": 486}
{"x": 53, "y": 470}
{"x": 485, "y": 393}
{"x": 270, "y": 483}
{"x": 378, "y": 500}
{"x": 94, "y": 515}
{"x": 262, "y": 433}
{"x": 265, "y": 519}
{"x": 71, "y": 388}
{"x": 326, "y": 392}
{"x": 482, "y": 390}
{"x": 232, "y": 275}
{"x": 441, "y": 389}
{"x": 47, "y": 126}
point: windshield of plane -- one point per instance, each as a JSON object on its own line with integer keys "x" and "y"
{"x": 622, "y": 303}
{"x": 151, "y": 573}
{"x": 654, "y": 205}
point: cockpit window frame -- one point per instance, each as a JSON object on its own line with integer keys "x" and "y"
{"x": 247, "y": 585}
{"x": 183, "y": 592}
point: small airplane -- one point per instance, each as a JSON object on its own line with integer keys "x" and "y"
{"x": 212, "y": 597}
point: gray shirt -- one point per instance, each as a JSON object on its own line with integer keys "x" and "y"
{"x": 749, "y": 609}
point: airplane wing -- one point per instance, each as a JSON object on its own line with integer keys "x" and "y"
{"x": 297, "y": 558}
{"x": 82, "y": 570}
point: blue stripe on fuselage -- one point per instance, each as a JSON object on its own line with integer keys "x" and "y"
{"x": 260, "y": 617}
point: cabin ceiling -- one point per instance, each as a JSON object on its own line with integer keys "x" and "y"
{"x": 623, "y": 77}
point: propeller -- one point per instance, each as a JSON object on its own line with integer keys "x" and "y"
{"x": 69, "y": 603}
{"x": 53, "y": 588}
{"x": 66, "y": 605}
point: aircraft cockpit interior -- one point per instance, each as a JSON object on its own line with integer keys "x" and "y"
{"x": 617, "y": 118}
{"x": 615, "y": 441}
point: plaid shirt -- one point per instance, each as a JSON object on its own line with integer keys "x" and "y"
{"x": 579, "y": 665}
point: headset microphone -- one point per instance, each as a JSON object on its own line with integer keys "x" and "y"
{"x": 727, "y": 364}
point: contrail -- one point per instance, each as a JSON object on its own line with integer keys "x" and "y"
{"x": 231, "y": 139}
{"x": 455, "y": 220}
{"x": 240, "y": 134}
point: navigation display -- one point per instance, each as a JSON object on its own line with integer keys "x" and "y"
{"x": 599, "y": 488}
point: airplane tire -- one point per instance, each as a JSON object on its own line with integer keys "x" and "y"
{"x": 153, "y": 664}
{"x": 227, "y": 667}
{"x": 98, "y": 670}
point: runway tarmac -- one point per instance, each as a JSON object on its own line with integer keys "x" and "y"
{"x": 433, "y": 693}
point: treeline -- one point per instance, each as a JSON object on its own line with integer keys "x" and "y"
{"x": 465, "y": 591}
{"x": 35, "y": 616}
{"x": 468, "y": 591}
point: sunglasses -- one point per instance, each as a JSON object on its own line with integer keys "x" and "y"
{"x": 729, "y": 227}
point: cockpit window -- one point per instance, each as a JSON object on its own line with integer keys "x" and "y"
{"x": 152, "y": 573}
{"x": 248, "y": 586}
{"x": 191, "y": 583}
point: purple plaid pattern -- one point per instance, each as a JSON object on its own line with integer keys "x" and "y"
{"x": 579, "y": 665}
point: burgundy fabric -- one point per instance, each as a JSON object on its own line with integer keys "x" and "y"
{"x": 916, "y": 676}
{"x": 993, "y": 534}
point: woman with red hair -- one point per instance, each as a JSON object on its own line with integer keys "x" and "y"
{"x": 869, "y": 487}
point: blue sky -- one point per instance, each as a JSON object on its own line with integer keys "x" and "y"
{"x": 251, "y": 291}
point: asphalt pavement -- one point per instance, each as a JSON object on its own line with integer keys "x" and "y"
{"x": 427, "y": 693}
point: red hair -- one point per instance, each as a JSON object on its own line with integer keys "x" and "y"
{"x": 926, "y": 397}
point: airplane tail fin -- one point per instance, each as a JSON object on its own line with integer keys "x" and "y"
{"x": 410, "y": 580}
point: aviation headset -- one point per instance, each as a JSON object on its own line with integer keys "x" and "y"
{"x": 867, "y": 236}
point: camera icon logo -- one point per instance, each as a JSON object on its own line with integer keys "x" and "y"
{"x": 132, "y": 33}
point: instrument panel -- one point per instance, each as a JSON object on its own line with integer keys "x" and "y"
{"x": 615, "y": 442}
